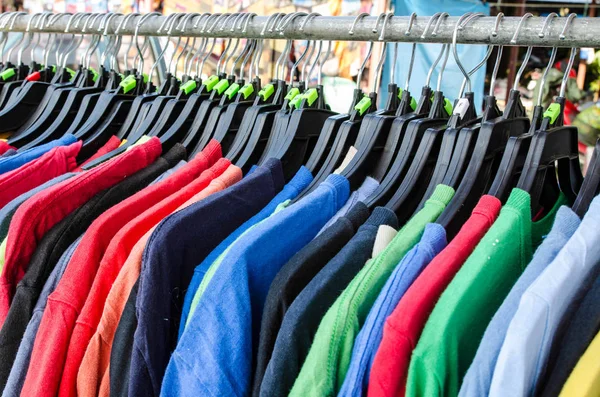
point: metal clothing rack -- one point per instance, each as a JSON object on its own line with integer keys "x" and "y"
{"x": 582, "y": 32}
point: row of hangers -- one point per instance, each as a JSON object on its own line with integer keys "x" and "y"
{"x": 408, "y": 145}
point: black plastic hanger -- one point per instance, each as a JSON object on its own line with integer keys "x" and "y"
{"x": 492, "y": 136}
{"x": 224, "y": 119}
{"x": 591, "y": 184}
{"x": 374, "y": 130}
{"x": 347, "y": 133}
{"x": 554, "y": 152}
{"x": 409, "y": 128}
{"x": 56, "y": 99}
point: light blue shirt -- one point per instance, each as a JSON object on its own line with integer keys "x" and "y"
{"x": 226, "y": 323}
{"x": 524, "y": 353}
{"x": 368, "y": 339}
{"x": 289, "y": 192}
{"x": 479, "y": 376}
{"x": 361, "y": 194}
{"x": 17, "y": 160}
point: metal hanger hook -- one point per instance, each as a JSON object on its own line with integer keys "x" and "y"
{"x": 459, "y": 26}
{"x": 323, "y": 62}
{"x": 369, "y": 50}
{"x": 527, "y": 54}
{"x": 439, "y": 16}
{"x": 383, "y": 54}
{"x": 498, "y": 55}
{"x": 563, "y": 84}
{"x": 411, "y": 21}
{"x": 139, "y": 24}
{"x": 286, "y": 21}
{"x": 552, "y": 57}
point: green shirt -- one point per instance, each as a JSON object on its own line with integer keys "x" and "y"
{"x": 456, "y": 325}
{"x": 323, "y": 372}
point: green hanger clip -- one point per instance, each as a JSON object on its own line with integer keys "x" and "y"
{"x": 188, "y": 87}
{"x": 128, "y": 84}
{"x": 95, "y": 74}
{"x": 266, "y": 92}
{"x": 145, "y": 77}
{"x": 211, "y": 82}
{"x": 552, "y": 112}
{"x": 448, "y": 106}
{"x": 71, "y": 72}
{"x": 292, "y": 94}
{"x": 295, "y": 102}
{"x": 311, "y": 96}
{"x": 232, "y": 90}
{"x": 413, "y": 102}
{"x": 247, "y": 90}
{"x": 221, "y": 86}
{"x": 363, "y": 105}
{"x": 7, "y": 74}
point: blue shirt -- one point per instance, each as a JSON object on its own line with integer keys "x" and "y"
{"x": 16, "y": 379}
{"x": 361, "y": 194}
{"x": 178, "y": 243}
{"x": 302, "y": 319}
{"x": 524, "y": 353}
{"x": 479, "y": 376}
{"x": 298, "y": 183}
{"x": 14, "y": 162}
{"x": 368, "y": 339}
{"x": 215, "y": 354}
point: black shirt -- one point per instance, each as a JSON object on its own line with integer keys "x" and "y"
{"x": 120, "y": 353}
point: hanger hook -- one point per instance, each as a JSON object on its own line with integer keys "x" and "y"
{"x": 124, "y": 22}
{"x": 552, "y": 58}
{"x": 74, "y": 43}
{"x": 369, "y": 50}
{"x": 323, "y": 62}
{"x": 563, "y": 84}
{"x": 383, "y": 54}
{"x": 459, "y": 26}
{"x": 309, "y": 16}
{"x": 190, "y": 59}
{"x": 11, "y": 18}
{"x": 310, "y": 71}
{"x": 527, "y": 54}
{"x": 286, "y": 21}
{"x": 498, "y": 55}
{"x": 29, "y": 36}
{"x": 411, "y": 21}
{"x": 183, "y": 29}
{"x": 224, "y": 53}
{"x": 200, "y": 65}
{"x": 312, "y": 44}
{"x": 18, "y": 43}
{"x": 162, "y": 53}
{"x": 140, "y": 52}
{"x": 438, "y": 16}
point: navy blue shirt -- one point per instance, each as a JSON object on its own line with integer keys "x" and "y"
{"x": 302, "y": 319}
{"x": 177, "y": 245}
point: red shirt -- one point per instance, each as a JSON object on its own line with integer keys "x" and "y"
{"x": 65, "y": 303}
{"x": 112, "y": 261}
{"x": 108, "y": 147}
{"x": 56, "y": 162}
{"x": 403, "y": 327}
{"x": 44, "y": 210}
{"x": 4, "y": 147}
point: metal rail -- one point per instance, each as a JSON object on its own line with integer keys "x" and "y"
{"x": 582, "y": 32}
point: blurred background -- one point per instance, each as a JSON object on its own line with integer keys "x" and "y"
{"x": 340, "y": 72}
